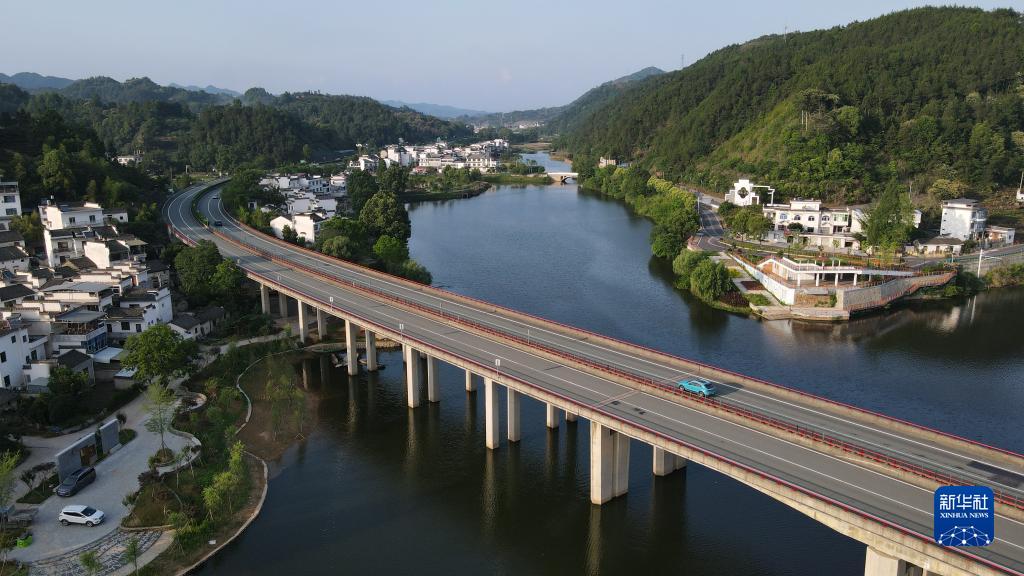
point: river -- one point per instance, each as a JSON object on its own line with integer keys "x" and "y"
{"x": 382, "y": 489}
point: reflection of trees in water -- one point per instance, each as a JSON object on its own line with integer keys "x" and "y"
{"x": 703, "y": 318}
{"x": 975, "y": 328}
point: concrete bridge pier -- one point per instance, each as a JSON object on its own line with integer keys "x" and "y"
{"x": 609, "y": 463}
{"x": 371, "y": 351}
{"x": 470, "y": 383}
{"x": 514, "y": 428}
{"x": 666, "y": 462}
{"x": 265, "y": 298}
{"x": 412, "y": 375}
{"x": 321, "y": 325}
{"x": 303, "y": 322}
{"x": 569, "y": 417}
{"x": 491, "y": 413}
{"x": 351, "y": 350}
{"x": 552, "y": 416}
{"x": 432, "y": 392}
{"x": 282, "y": 304}
{"x": 880, "y": 564}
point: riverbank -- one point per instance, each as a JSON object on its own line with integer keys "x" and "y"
{"x": 504, "y": 178}
{"x": 419, "y": 195}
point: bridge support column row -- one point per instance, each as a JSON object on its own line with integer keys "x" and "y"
{"x": 371, "y": 351}
{"x": 321, "y": 325}
{"x": 265, "y": 298}
{"x": 412, "y": 375}
{"x": 879, "y": 564}
{"x": 609, "y": 464}
{"x": 432, "y": 392}
{"x": 470, "y": 383}
{"x": 491, "y": 413}
{"x": 351, "y": 350}
{"x": 666, "y": 462}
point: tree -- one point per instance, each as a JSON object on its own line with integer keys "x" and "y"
{"x": 64, "y": 388}
{"x": 890, "y": 221}
{"x": 132, "y": 551}
{"x": 90, "y": 563}
{"x": 8, "y": 462}
{"x": 30, "y": 228}
{"x": 288, "y": 235}
{"x": 391, "y": 250}
{"x": 384, "y": 215}
{"x": 158, "y": 353}
{"x": 195, "y": 266}
{"x": 709, "y": 280}
{"x": 684, "y": 264}
{"x": 393, "y": 179}
{"x": 160, "y": 405}
{"x": 361, "y": 187}
{"x": 227, "y": 282}
{"x": 56, "y": 171}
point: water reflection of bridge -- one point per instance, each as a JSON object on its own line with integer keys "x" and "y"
{"x": 563, "y": 177}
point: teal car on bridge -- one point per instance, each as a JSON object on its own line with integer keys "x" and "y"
{"x": 698, "y": 386}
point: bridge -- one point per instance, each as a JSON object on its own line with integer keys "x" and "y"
{"x": 863, "y": 474}
{"x": 563, "y": 177}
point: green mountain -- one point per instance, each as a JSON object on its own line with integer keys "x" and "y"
{"x": 177, "y": 126}
{"x": 138, "y": 90}
{"x": 558, "y": 116}
{"x": 923, "y": 95}
{"x": 439, "y": 110}
{"x": 32, "y": 82}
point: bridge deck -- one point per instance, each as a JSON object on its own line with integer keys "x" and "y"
{"x": 854, "y": 485}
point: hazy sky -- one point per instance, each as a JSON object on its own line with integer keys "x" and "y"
{"x": 485, "y": 55}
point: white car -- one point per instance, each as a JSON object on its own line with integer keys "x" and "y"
{"x": 78, "y": 514}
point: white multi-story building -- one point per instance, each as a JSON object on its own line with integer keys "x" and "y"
{"x": 18, "y": 349}
{"x": 830, "y": 228}
{"x": 963, "y": 218}
{"x": 58, "y": 216}
{"x": 10, "y": 203}
{"x": 305, "y": 225}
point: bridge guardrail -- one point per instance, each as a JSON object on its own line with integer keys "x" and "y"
{"x": 781, "y": 425}
{"x": 779, "y": 481}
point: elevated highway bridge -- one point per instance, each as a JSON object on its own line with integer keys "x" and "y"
{"x": 864, "y": 474}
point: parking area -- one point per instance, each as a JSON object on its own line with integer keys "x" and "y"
{"x": 117, "y": 476}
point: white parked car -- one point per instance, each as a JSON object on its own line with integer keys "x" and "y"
{"x": 78, "y": 514}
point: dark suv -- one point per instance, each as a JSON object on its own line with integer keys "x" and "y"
{"x": 75, "y": 481}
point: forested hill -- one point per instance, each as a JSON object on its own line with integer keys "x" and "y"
{"x": 926, "y": 94}
{"x": 558, "y": 116}
{"x": 175, "y": 126}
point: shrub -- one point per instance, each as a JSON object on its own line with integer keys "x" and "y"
{"x": 709, "y": 280}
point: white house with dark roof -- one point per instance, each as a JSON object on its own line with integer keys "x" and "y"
{"x": 199, "y": 324}
{"x": 17, "y": 350}
{"x": 10, "y": 203}
{"x": 14, "y": 258}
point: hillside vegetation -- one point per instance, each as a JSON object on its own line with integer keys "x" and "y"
{"x": 932, "y": 95}
{"x": 174, "y": 127}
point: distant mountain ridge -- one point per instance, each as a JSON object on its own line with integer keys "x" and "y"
{"x": 31, "y": 82}
{"x": 439, "y": 110}
{"x": 550, "y": 114}
{"x": 209, "y": 89}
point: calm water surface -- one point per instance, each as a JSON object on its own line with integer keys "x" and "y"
{"x": 382, "y": 489}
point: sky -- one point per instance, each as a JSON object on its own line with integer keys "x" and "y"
{"x": 473, "y": 54}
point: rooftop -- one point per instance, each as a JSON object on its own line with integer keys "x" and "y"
{"x": 72, "y": 358}
{"x": 8, "y": 253}
{"x": 15, "y": 291}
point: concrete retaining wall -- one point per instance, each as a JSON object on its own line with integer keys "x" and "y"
{"x": 882, "y": 294}
{"x": 782, "y": 293}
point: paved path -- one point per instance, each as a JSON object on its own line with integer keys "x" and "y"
{"x": 709, "y": 238}
{"x": 109, "y": 551}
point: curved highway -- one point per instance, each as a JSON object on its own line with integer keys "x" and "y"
{"x": 867, "y": 491}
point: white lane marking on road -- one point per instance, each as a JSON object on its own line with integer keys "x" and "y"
{"x": 672, "y": 370}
